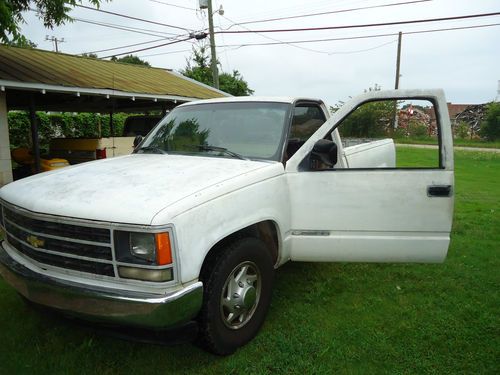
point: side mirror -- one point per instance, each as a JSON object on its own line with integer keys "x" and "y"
{"x": 325, "y": 151}
{"x": 137, "y": 140}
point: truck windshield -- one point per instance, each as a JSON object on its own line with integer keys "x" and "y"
{"x": 253, "y": 130}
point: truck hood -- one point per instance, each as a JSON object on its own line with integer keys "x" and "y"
{"x": 132, "y": 189}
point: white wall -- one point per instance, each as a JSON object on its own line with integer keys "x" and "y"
{"x": 5, "y": 164}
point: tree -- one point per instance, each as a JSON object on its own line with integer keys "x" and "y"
{"x": 370, "y": 120}
{"x": 51, "y": 12}
{"x": 90, "y": 55}
{"x": 198, "y": 68}
{"x": 490, "y": 128}
{"x": 22, "y": 42}
{"x": 131, "y": 59}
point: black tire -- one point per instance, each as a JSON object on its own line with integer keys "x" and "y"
{"x": 216, "y": 333}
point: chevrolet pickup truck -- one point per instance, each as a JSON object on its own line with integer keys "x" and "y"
{"x": 192, "y": 225}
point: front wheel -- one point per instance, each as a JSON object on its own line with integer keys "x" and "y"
{"x": 237, "y": 293}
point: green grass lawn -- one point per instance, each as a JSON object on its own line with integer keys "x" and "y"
{"x": 456, "y": 142}
{"x": 324, "y": 318}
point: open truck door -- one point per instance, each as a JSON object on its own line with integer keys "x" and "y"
{"x": 369, "y": 207}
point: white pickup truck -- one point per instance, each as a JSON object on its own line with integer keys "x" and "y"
{"x": 192, "y": 225}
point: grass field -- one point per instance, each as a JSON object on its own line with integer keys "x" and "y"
{"x": 324, "y": 318}
{"x": 456, "y": 142}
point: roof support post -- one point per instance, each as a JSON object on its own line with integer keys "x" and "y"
{"x": 5, "y": 161}
{"x": 34, "y": 135}
{"x": 111, "y": 124}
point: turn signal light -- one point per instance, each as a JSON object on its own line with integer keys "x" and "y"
{"x": 163, "y": 249}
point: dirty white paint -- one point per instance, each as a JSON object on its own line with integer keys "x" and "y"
{"x": 130, "y": 189}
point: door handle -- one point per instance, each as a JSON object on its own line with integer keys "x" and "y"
{"x": 439, "y": 190}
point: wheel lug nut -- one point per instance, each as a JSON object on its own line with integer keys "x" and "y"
{"x": 236, "y": 295}
{"x": 237, "y": 307}
{"x": 240, "y": 284}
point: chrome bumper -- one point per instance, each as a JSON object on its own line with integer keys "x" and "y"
{"x": 103, "y": 304}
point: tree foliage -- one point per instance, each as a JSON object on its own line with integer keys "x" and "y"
{"x": 198, "y": 68}
{"x": 51, "y": 12}
{"x": 370, "y": 120}
{"x": 130, "y": 59}
{"x": 22, "y": 42}
{"x": 90, "y": 55}
{"x": 490, "y": 128}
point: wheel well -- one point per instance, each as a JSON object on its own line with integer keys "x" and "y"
{"x": 267, "y": 231}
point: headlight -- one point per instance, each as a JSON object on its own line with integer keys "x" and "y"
{"x": 142, "y": 245}
{"x": 152, "y": 249}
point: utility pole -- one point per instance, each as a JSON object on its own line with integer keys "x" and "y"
{"x": 398, "y": 60}
{"x": 215, "y": 72}
{"x": 54, "y": 40}
{"x": 394, "y": 124}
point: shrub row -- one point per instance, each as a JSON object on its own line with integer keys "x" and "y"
{"x": 55, "y": 125}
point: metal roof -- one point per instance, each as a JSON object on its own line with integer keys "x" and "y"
{"x": 28, "y": 69}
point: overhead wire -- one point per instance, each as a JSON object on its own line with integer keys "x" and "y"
{"x": 363, "y": 36}
{"x": 325, "y": 13}
{"x": 172, "y": 5}
{"x": 126, "y": 46}
{"x": 165, "y": 53}
{"x": 440, "y": 19}
{"x": 133, "y": 18}
{"x": 126, "y": 28}
{"x": 148, "y": 48}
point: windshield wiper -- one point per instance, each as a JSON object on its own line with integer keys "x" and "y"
{"x": 220, "y": 149}
{"x": 155, "y": 149}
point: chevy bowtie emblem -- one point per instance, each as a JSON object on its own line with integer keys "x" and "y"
{"x": 35, "y": 241}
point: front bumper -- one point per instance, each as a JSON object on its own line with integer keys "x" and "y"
{"x": 104, "y": 305}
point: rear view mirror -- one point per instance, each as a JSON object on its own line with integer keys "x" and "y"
{"x": 325, "y": 152}
{"x": 137, "y": 140}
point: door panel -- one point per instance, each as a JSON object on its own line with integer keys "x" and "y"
{"x": 369, "y": 215}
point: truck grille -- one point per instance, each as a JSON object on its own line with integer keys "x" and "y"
{"x": 68, "y": 246}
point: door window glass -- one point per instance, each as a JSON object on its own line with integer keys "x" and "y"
{"x": 391, "y": 134}
{"x": 307, "y": 118}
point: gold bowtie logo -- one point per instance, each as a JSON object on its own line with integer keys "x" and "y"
{"x": 35, "y": 241}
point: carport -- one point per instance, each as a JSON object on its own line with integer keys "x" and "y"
{"x": 35, "y": 80}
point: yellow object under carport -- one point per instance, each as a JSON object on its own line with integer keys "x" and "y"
{"x": 23, "y": 156}
{"x": 53, "y": 164}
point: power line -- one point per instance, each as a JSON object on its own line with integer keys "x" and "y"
{"x": 172, "y": 5}
{"x": 362, "y": 50}
{"x": 278, "y": 40}
{"x": 123, "y": 28}
{"x": 165, "y": 53}
{"x": 313, "y": 40}
{"x": 360, "y": 37}
{"x": 361, "y": 26}
{"x": 133, "y": 18}
{"x": 325, "y": 13}
{"x": 148, "y": 48}
{"x": 128, "y": 45}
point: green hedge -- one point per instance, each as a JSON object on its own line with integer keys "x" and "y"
{"x": 56, "y": 125}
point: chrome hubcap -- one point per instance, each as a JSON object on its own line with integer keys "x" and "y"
{"x": 240, "y": 295}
